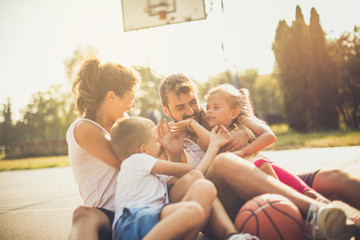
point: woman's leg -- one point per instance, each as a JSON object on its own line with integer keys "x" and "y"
{"x": 90, "y": 223}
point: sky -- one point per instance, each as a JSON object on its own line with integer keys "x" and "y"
{"x": 37, "y": 36}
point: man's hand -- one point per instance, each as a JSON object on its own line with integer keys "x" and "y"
{"x": 173, "y": 145}
{"x": 239, "y": 139}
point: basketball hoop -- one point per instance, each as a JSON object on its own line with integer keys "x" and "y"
{"x": 162, "y": 15}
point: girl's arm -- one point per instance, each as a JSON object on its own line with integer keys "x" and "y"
{"x": 264, "y": 137}
{"x": 94, "y": 140}
{"x": 219, "y": 136}
{"x": 193, "y": 126}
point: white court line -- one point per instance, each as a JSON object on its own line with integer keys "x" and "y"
{"x": 38, "y": 210}
{"x": 32, "y": 203}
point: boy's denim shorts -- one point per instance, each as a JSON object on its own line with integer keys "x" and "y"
{"x": 135, "y": 223}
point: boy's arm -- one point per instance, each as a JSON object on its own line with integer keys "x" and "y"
{"x": 219, "y": 137}
{"x": 265, "y": 137}
{"x": 175, "y": 169}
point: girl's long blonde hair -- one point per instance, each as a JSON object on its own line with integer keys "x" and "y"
{"x": 239, "y": 99}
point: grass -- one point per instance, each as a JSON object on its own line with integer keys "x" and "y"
{"x": 286, "y": 139}
{"x": 34, "y": 163}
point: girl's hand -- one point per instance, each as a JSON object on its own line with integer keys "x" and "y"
{"x": 219, "y": 137}
{"x": 179, "y": 127}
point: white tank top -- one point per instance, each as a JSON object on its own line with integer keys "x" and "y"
{"x": 96, "y": 179}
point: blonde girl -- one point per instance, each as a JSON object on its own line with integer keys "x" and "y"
{"x": 232, "y": 108}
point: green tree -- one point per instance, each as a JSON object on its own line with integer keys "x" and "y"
{"x": 47, "y": 116}
{"x": 7, "y": 126}
{"x": 266, "y": 98}
{"x": 148, "y": 93}
{"x": 73, "y": 63}
{"x": 345, "y": 54}
{"x": 305, "y": 74}
{"x": 325, "y": 113}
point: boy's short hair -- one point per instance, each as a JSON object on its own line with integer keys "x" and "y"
{"x": 128, "y": 134}
{"x": 177, "y": 83}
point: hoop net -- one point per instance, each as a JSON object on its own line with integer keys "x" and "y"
{"x": 162, "y": 15}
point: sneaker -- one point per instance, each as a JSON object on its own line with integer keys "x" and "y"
{"x": 242, "y": 236}
{"x": 325, "y": 221}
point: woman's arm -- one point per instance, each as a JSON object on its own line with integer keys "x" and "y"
{"x": 264, "y": 137}
{"x": 94, "y": 140}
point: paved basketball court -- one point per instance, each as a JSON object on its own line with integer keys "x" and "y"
{"x": 38, "y": 204}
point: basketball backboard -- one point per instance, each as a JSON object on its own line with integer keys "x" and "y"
{"x": 139, "y": 14}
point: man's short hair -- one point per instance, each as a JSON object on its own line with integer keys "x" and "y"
{"x": 128, "y": 134}
{"x": 177, "y": 83}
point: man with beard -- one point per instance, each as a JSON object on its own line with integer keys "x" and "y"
{"x": 238, "y": 180}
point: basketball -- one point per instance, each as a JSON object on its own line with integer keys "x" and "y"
{"x": 271, "y": 217}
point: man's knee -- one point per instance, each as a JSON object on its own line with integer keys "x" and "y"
{"x": 330, "y": 183}
{"x": 332, "y": 176}
{"x": 229, "y": 163}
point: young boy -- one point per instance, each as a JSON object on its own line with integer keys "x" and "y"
{"x": 142, "y": 209}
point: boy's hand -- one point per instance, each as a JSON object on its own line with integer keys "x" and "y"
{"x": 179, "y": 127}
{"x": 173, "y": 145}
{"x": 219, "y": 136}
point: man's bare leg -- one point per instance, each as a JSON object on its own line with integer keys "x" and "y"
{"x": 241, "y": 178}
{"x": 238, "y": 180}
{"x": 219, "y": 225}
{"x": 338, "y": 185}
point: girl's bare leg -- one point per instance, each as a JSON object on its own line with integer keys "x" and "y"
{"x": 266, "y": 168}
